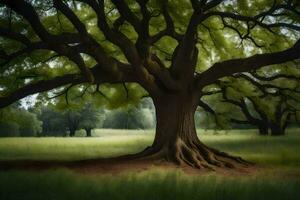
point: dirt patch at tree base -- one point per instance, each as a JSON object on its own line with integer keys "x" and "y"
{"x": 116, "y": 167}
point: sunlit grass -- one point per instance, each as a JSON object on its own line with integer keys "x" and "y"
{"x": 71, "y": 148}
{"x": 284, "y": 150}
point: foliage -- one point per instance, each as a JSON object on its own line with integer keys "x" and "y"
{"x": 91, "y": 117}
{"x": 132, "y": 117}
{"x": 56, "y": 122}
{"x": 9, "y": 129}
{"x": 19, "y": 122}
{"x": 53, "y": 122}
{"x": 219, "y": 38}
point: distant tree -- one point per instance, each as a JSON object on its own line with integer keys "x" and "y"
{"x": 90, "y": 118}
{"x": 267, "y": 105}
{"x": 133, "y": 117}
{"x": 16, "y": 121}
{"x": 29, "y": 125}
{"x": 53, "y": 121}
{"x": 57, "y": 121}
{"x": 9, "y": 129}
{"x": 72, "y": 120}
{"x": 8, "y": 125}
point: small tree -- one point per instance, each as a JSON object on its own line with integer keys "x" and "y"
{"x": 72, "y": 120}
{"x": 90, "y": 118}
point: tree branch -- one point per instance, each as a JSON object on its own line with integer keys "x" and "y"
{"x": 101, "y": 75}
{"x": 226, "y": 68}
{"x": 40, "y": 86}
{"x": 169, "y": 30}
{"x": 15, "y": 36}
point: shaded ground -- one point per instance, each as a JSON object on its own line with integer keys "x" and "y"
{"x": 148, "y": 185}
{"x": 115, "y": 167}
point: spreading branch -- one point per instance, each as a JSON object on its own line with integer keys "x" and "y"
{"x": 229, "y": 67}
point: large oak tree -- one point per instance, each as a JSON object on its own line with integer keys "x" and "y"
{"x": 172, "y": 49}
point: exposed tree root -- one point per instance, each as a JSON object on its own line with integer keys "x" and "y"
{"x": 193, "y": 154}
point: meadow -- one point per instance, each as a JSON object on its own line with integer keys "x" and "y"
{"x": 277, "y": 175}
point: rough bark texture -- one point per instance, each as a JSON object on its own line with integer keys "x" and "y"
{"x": 176, "y": 139}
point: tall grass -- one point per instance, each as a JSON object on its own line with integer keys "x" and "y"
{"x": 151, "y": 185}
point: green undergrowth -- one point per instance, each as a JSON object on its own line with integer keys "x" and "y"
{"x": 152, "y": 185}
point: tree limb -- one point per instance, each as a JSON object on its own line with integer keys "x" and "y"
{"x": 226, "y": 68}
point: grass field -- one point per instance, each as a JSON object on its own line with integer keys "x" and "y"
{"x": 278, "y": 176}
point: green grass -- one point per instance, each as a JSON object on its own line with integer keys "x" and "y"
{"x": 77, "y": 148}
{"x": 279, "y": 179}
{"x": 283, "y": 150}
{"x": 152, "y": 185}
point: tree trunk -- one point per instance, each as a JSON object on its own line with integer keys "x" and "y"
{"x": 176, "y": 138}
{"x": 276, "y": 130}
{"x": 72, "y": 132}
{"x": 88, "y": 132}
{"x": 263, "y": 130}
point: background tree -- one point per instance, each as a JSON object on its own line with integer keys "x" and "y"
{"x": 132, "y": 117}
{"x": 8, "y": 122}
{"x": 90, "y": 118}
{"x": 264, "y": 105}
{"x": 172, "y": 49}
{"x": 53, "y": 121}
{"x": 72, "y": 120}
{"x": 16, "y": 121}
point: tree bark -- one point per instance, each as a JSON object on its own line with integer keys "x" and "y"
{"x": 263, "y": 130}
{"x": 88, "y": 132}
{"x": 276, "y": 130}
{"x": 176, "y": 139}
{"x": 72, "y": 132}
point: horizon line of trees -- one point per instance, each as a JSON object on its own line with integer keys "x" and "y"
{"x": 238, "y": 113}
{"x": 52, "y": 121}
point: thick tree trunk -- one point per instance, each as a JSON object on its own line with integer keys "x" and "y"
{"x": 176, "y": 138}
{"x": 88, "y": 132}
